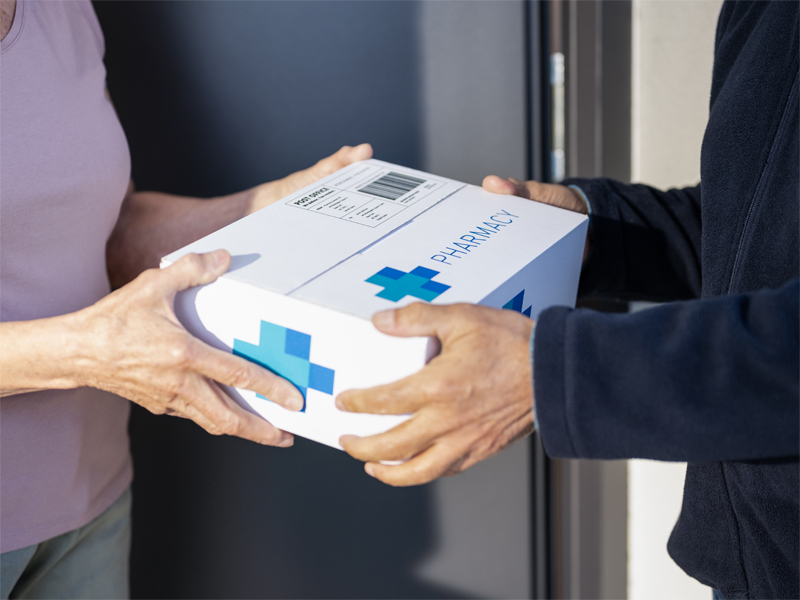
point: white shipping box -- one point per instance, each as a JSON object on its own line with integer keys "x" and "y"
{"x": 309, "y": 271}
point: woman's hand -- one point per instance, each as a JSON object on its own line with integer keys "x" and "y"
{"x": 547, "y": 193}
{"x": 273, "y": 191}
{"x": 132, "y": 344}
{"x": 152, "y": 224}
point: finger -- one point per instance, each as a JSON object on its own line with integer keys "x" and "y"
{"x": 419, "y": 319}
{"x": 193, "y": 270}
{"x": 498, "y": 185}
{"x": 344, "y": 156}
{"x": 192, "y": 413}
{"x": 196, "y": 404}
{"x": 546, "y": 193}
{"x": 216, "y": 412}
{"x": 237, "y": 372}
{"x": 397, "y": 398}
{"x": 402, "y": 442}
{"x": 435, "y": 462}
{"x": 552, "y": 194}
{"x": 248, "y": 425}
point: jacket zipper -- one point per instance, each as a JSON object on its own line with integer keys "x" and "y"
{"x": 790, "y": 105}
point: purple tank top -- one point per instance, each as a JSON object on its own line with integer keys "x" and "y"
{"x": 64, "y": 169}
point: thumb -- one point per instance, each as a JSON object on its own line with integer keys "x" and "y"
{"x": 498, "y": 185}
{"x": 414, "y": 320}
{"x": 530, "y": 190}
{"x": 360, "y": 152}
{"x": 196, "y": 269}
{"x": 344, "y": 156}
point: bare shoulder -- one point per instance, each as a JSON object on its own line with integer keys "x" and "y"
{"x": 7, "y": 9}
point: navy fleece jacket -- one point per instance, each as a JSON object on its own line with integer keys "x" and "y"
{"x": 711, "y": 377}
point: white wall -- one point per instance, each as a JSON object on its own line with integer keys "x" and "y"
{"x": 673, "y": 48}
{"x": 673, "y": 43}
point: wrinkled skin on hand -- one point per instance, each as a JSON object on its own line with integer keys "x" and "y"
{"x": 134, "y": 346}
{"x": 547, "y": 193}
{"x": 273, "y": 191}
{"x": 473, "y": 399}
{"x": 468, "y": 403}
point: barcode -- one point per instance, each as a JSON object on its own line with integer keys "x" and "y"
{"x": 392, "y": 186}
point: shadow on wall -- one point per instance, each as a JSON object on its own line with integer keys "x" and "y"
{"x": 216, "y": 97}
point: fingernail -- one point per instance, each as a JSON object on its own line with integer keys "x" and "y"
{"x": 383, "y": 319}
{"x": 218, "y": 257}
{"x": 295, "y": 401}
{"x": 346, "y": 439}
{"x": 340, "y": 405}
{"x": 287, "y": 441}
{"x": 369, "y": 469}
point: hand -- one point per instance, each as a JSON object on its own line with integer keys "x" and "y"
{"x": 132, "y": 344}
{"x": 152, "y": 224}
{"x": 546, "y": 193}
{"x": 469, "y": 402}
{"x": 273, "y": 191}
{"x": 553, "y": 194}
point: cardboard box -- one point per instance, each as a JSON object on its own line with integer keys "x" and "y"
{"x": 309, "y": 271}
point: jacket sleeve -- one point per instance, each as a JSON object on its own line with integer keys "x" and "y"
{"x": 699, "y": 380}
{"x": 645, "y": 242}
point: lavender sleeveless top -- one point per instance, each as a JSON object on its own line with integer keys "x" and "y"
{"x": 64, "y": 169}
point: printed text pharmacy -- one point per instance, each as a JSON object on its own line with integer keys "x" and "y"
{"x": 473, "y": 239}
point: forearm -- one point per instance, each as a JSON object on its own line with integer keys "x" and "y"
{"x": 40, "y": 354}
{"x": 153, "y": 224}
{"x": 702, "y": 380}
{"x": 645, "y": 242}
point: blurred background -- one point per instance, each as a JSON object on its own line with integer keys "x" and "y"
{"x": 219, "y": 95}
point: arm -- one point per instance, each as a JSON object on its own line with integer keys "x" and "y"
{"x": 469, "y": 402}
{"x": 131, "y": 343}
{"x": 645, "y": 243}
{"x": 153, "y": 224}
{"x": 703, "y": 380}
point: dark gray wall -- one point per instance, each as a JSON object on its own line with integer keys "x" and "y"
{"x": 219, "y": 96}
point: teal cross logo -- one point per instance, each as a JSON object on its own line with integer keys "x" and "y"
{"x": 399, "y": 284}
{"x": 287, "y": 353}
{"x": 515, "y": 304}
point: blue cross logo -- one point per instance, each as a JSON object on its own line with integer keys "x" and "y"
{"x": 515, "y": 304}
{"x": 287, "y": 352}
{"x": 399, "y": 284}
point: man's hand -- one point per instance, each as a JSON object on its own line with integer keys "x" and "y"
{"x": 273, "y": 191}
{"x": 553, "y": 194}
{"x": 546, "y": 193}
{"x": 132, "y": 344}
{"x": 468, "y": 403}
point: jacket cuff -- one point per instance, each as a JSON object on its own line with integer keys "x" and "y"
{"x": 550, "y": 393}
{"x": 601, "y": 271}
